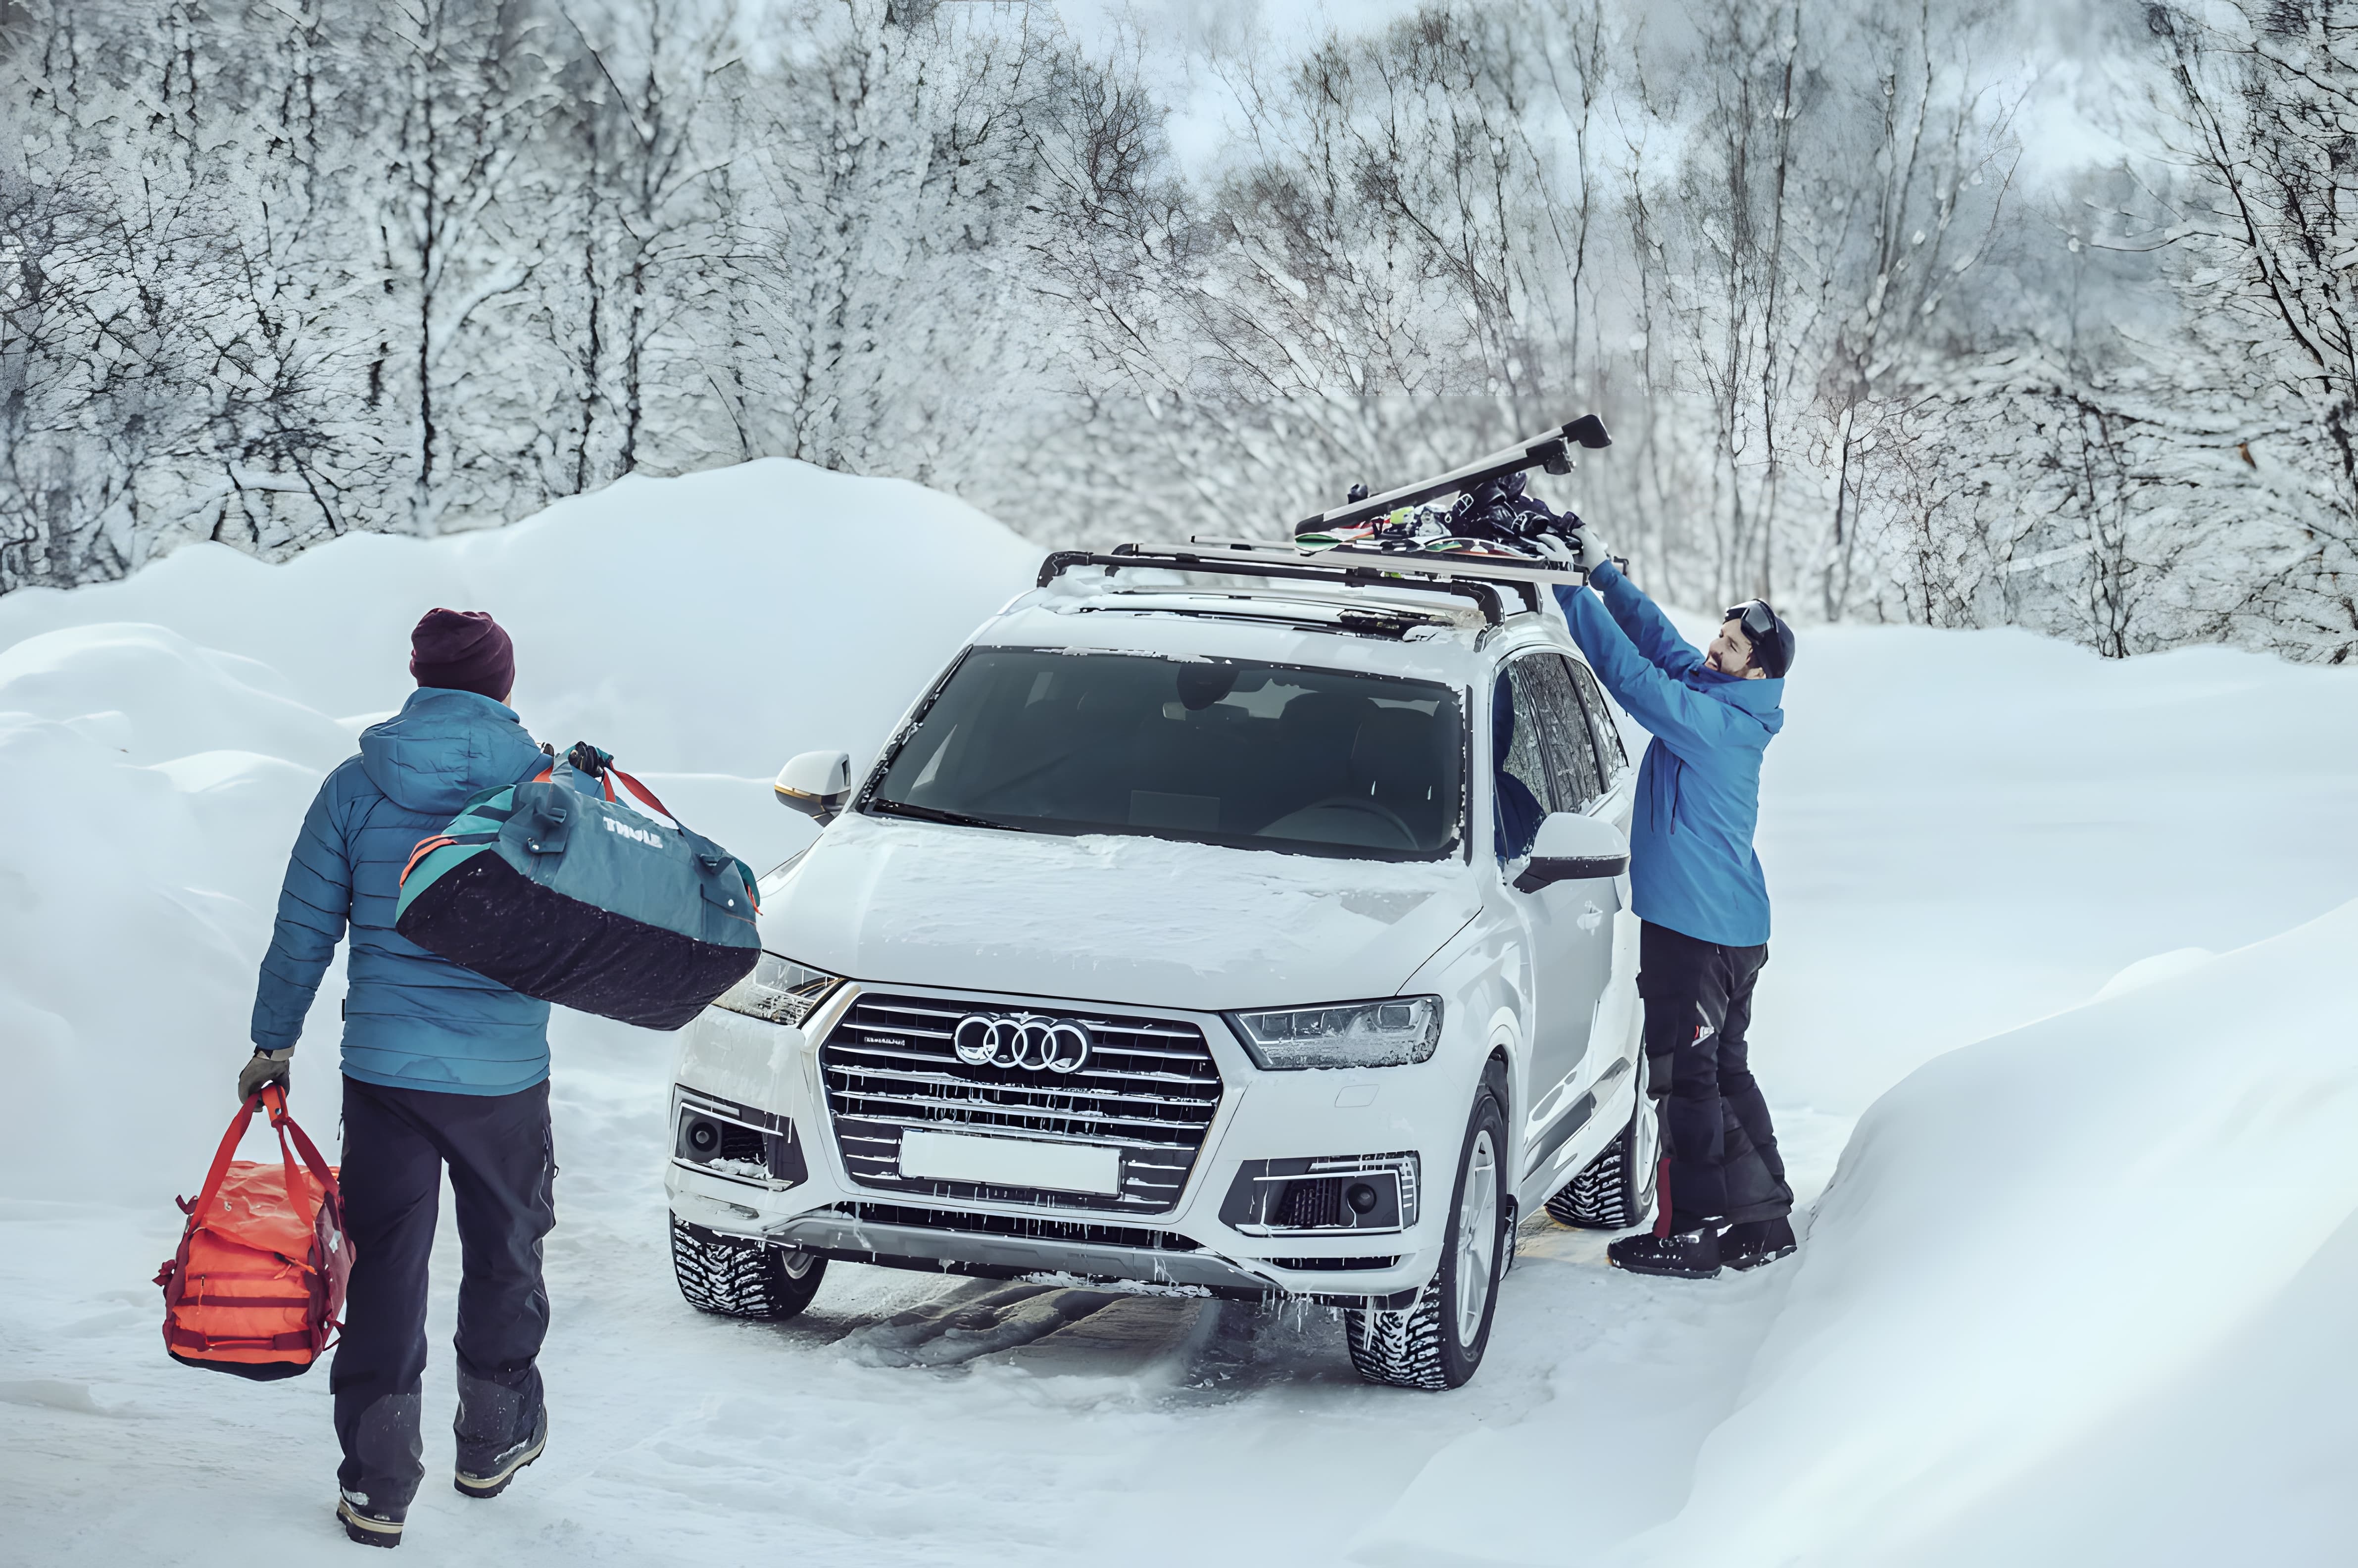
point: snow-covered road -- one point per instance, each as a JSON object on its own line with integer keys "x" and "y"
{"x": 1965, "y": 833}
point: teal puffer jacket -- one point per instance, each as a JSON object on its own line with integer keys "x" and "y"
{"x": 412, "y": 1020}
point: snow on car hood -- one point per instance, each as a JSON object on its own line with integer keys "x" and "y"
{"x": 1146, "y": 922}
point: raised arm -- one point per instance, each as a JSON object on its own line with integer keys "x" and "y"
{"x": 313, "y": 905}
{"x": 1648, "y": 630}
{"x": 1683, "y": 719}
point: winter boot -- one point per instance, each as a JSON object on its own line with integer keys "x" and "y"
{"x": 489, "y": 1478}
{"x": 1757, "y": 1241}
{"x": 371, "y": 1526}
{"x": 1691, "y": 1254}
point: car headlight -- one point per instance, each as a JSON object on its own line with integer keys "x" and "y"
{"x": 779, "y": 990}
{"x": 1387, "y": 1033}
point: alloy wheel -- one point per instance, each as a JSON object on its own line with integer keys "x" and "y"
{"x": 1477, "y": 1237}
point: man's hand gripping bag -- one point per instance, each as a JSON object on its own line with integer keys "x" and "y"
{"x": 566, "y": 894}
{"x": 257, "y": 1287}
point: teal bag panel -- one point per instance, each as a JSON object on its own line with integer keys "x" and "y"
{"x": 603, "y": 853}
{"x": 476, "y": 828}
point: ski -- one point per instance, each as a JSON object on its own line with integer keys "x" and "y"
{"x": 1552, "y": 451}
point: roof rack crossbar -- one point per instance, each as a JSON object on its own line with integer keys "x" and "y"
{"x": 1489, "y": 596}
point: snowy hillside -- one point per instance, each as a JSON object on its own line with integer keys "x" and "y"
{"x": 2075, "y": 1295}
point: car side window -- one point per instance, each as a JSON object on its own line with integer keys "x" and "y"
{"x": 1518, "y": 747}
{"x": 1611, "y": 754}
{"x": 1564, "y": 739}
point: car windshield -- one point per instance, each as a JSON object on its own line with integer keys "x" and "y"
{"x": 1225, "y": 751}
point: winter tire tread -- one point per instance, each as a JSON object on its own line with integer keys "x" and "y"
{"x": 1399, "y": 1348}
{"x": 732, "y": 1278}
{"x": 1408, "y": 1347}
{"x": 1609, "y": 1193}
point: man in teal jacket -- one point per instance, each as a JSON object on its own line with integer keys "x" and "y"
{"x": 441, "y": 1066}
{"x": 1696, "y": 885}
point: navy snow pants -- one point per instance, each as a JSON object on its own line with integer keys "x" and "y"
{"x": 1716, "y": 1135}
{"x": 502, "y": 1167}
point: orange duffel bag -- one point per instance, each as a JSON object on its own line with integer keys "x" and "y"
{"x": 257, "y": 1286}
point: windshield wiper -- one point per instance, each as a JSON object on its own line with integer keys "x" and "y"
{"x": 934, "y": 814}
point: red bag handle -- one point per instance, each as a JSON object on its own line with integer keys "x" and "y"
{"x": 286, "y": 1127}
{"x": 606, "y": 778}
{"x": 641, "y": 791}
{"x": 274, "y": 1098}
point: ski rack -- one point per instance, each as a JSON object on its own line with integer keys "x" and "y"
{"x": 1483, "y": 580}
{"x": 1552, "y": 451}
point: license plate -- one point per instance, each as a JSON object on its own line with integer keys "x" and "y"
{"x": 1011, "y": 1162}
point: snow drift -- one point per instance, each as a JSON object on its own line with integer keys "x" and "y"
{"x": 160, "y": 737}
{"x": 2034, "y": 1289}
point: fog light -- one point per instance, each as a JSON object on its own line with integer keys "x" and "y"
{"x": 1351, "y": 1192}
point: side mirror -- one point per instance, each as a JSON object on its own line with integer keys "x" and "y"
{"x": 1573, "y": 847}
{"x": 817, "y": 783}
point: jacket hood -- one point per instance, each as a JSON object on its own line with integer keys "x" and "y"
{"x": 1114, "y": 919}
{"x": 443, "y": 746}
{"x": 1764, "y": 699}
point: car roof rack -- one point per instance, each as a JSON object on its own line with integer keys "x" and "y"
{"x": 1476, "y": 575}
{"x": 1482, "y": 579}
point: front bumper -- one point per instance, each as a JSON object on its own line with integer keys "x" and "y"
{"x": 772, "y": 1071}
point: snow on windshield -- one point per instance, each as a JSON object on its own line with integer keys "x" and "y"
{"x": 1228, "y": 750}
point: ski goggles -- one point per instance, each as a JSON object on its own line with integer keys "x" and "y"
{"x": 1755, "y": 616}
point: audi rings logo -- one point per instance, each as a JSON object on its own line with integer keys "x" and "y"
{"x": 1020, "y": 1040}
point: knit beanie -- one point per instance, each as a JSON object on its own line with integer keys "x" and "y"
{"x": 463, "y": 650}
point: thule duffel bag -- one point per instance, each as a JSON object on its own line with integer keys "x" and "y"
{"x": 258, "y": 1283}
{"x": 557, "y": 888}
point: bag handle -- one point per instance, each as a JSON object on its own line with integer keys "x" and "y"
{"x": 287, "y": 1126}
{"x": 274, "y": 1098}
{"x": 599, "y": 763}
{"x": 645, "y": 794}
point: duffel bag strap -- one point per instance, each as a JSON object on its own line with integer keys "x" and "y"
{"x": 224, "y": 1155}
{"x": 648, "y": 796}
{"x": 287, "y": 1127}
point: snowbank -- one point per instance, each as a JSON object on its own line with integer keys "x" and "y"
{"x": 2079, "y": 1294}
{"x": 2055, "y": 1251}
{"x": 160, "y": 737}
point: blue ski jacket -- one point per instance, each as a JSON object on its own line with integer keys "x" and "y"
{"x": 412, "y": 1020}
{"x": 1692, "y": 864}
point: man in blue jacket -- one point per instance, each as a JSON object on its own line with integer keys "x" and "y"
{"x": 1696, "y": 885}
{"x": 441, "y": 1067}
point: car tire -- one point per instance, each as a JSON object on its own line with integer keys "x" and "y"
{"x": 1437, "y": 1340}
{"x": 1615, "y": 1190}
{"x": 732, "y": 1277}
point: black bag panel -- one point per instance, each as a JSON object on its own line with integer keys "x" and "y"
{"x": 252, "y": 1371}
{"x": 492, "y": 919}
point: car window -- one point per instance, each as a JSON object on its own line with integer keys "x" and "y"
{"x": 1519, "y": 749}
{"x": 1222, "y": 750}
{"x": 1566, "y": 744}
{"x": 1610, "y": 753}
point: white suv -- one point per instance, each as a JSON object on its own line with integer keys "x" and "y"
{"x": 1268, "y": 941}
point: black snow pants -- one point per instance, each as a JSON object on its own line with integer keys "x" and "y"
{"x": 1721, "y": 1151}
{"x": 502, "y": 1167}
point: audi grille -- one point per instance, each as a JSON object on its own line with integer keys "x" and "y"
{"x": 1146, "y": 1086}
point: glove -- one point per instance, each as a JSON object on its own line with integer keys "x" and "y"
{"x": 1555, "y": 547}
{"x": 1594, "y": 551}
{"x": 266, "y": 1067}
